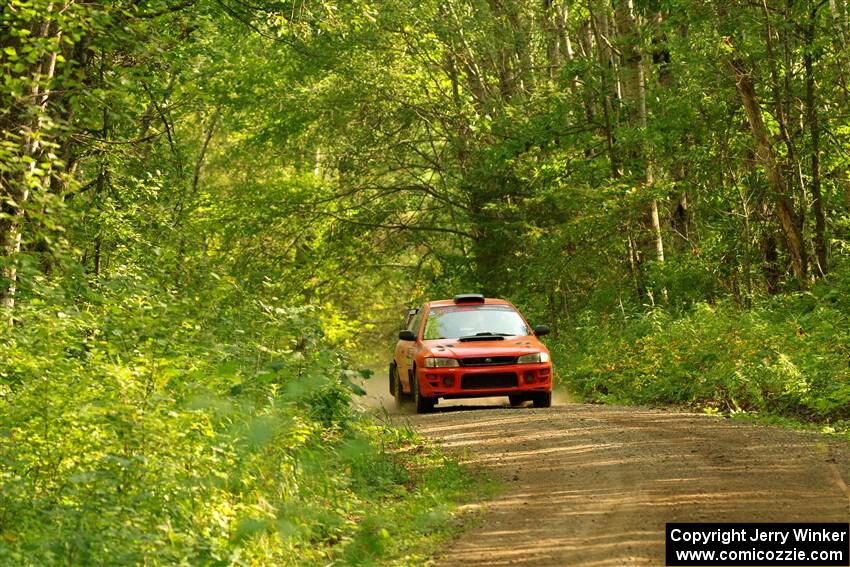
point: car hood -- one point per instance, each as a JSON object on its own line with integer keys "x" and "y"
{"x": 510, "y": 346}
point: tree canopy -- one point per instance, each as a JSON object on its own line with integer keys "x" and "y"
{"x": 204, "y": 203}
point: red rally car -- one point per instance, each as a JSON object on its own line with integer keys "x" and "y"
{"x": 470, "y": 347}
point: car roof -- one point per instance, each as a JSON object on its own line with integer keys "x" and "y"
{"x": 451, "y": 302}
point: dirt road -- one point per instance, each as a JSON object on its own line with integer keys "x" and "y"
{"x": 594, "y": 485}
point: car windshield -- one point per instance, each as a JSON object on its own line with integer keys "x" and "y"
{"x": 456, "y": 322}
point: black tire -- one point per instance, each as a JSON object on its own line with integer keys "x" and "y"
{"x": 423, "y": 404}
{"x": 542, "y": 399}
{"x": 398, "y": 392}
{"x": 517, "y": 400}
{"x": 391, "y": 378}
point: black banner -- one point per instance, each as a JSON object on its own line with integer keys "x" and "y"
{"x": 808, "y": 544}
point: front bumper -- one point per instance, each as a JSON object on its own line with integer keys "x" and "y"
{"x": 472, "y": 382}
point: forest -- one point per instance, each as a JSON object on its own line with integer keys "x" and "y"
{"x": 214, "y": 214}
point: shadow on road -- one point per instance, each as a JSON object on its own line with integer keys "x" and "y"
{"x": 594, "y": 485}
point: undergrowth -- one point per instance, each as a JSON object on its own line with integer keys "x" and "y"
{"x": 787, "y": 356}
{"x": 130, "y": 433}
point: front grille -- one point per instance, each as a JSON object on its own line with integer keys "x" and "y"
{"x": 488, "y": 361}
{"x": 488, "y": 381}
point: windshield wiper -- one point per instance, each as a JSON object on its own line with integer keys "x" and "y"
{"x": 489, "y": 333}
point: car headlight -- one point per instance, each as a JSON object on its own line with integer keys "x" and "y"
{"x": 441, "y": 363}
{"x": 534, "y": 357}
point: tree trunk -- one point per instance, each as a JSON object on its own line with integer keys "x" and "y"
{"x": 767, "y": 158}
{"x": 553, "y": 39}
{"x": 599, "y": 27}
{"x": 16, "y": 193}
{"x": 564, "y": 41}
{"x": 839, "y": 21}
{"x": 747, "y": 238}
{"x": 633, "y": 82}
{"x": 814, "y": 130}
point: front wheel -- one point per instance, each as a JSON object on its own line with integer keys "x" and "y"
{"x": 542, "y": 399}
{"x": 423, "y": 404}
{"x": 517, "y": 400}
{"x": 398, "y": 392}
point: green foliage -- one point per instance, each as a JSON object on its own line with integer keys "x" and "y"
{"x": 787, "y": 356}
{"x": 137, "y": 428}
{"x": 208, "y": 210}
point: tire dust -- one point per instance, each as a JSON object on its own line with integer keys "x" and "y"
{"x": 378, "y": 398}
{"x": 591, "y": 485}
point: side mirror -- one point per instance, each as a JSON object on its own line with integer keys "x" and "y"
{"x": 406, "y": 335}
{"x": 541, "y": 330}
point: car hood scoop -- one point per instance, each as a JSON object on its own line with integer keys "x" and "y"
{"x": 496, "y": 346}
{"x": 480, "y": 338}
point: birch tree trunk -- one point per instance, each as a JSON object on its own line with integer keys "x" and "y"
{"x": 634, "y": 96}
{"x": 17, "y": 189}
{"x": 553, "y": 29}
{"x": 599, "y": 26}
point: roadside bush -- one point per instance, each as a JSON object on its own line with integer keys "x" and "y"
{"x": 132, "y": 434}
{"x": 788, "y": 355}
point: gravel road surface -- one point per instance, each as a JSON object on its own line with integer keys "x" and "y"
{"x": 594, "y": 485}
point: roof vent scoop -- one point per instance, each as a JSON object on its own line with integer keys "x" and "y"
{"x": 469, "y": 298}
